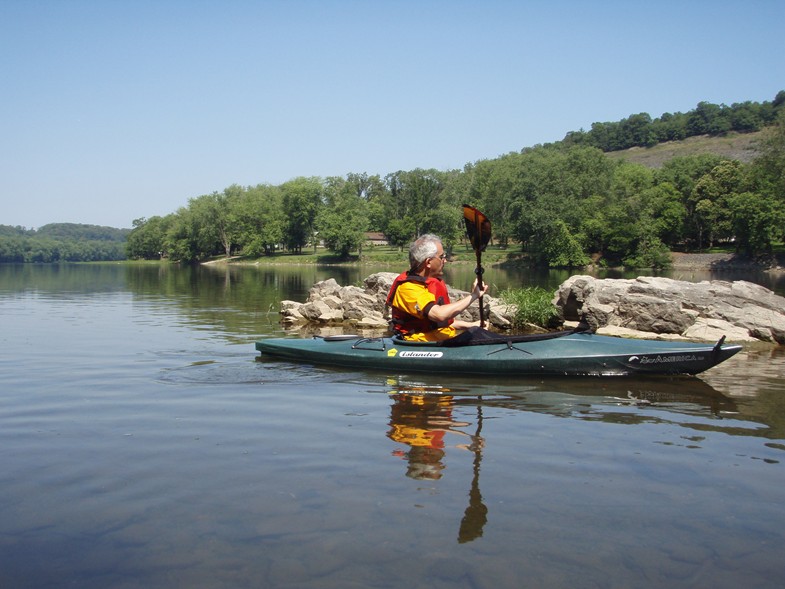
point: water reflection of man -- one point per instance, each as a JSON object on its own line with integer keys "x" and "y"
{"x": 421, "y": 422}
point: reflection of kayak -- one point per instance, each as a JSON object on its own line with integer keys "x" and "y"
{"x": 574, "y": 353}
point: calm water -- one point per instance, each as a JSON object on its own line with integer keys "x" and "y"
{"x": 142, "y": 444}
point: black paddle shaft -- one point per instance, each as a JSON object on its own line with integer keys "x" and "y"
{"x": 479, "y": 270}
{"x": 478, "y": 229}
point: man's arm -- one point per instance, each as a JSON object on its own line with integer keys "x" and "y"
{"x": 439, "y": 313}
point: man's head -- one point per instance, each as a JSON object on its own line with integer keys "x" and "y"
{"x": 426, "y": 255}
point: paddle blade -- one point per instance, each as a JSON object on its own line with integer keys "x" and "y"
{"x": 478, "y": 228}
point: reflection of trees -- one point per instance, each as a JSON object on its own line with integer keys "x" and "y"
{"x": 421, "y": 422}
{"x": 235, "y": 299}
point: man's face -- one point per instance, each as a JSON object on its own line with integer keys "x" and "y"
{"x": 435, "y": 265}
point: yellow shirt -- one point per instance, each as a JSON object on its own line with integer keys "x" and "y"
{"x": 415, "y": 299}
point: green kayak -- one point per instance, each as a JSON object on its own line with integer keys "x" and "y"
{"x": 562, "y": 353}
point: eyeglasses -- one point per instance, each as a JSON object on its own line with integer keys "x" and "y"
{"x": 442, "y": 257}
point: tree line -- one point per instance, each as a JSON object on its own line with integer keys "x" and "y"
{"x": 564, "y": 204}
{"x": 62, "y": 242}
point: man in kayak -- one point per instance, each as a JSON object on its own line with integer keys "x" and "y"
{"x": 421, "y": 307}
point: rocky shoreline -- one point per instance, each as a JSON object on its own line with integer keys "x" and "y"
{"x": 666, "y": 308}
{"x": 645, "y": 307}
{"x": 683, "y": 261}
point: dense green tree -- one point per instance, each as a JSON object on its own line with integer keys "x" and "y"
{"x": 225, "y": 211}
{"x": 343, "y": 221}
{"x": 649, "y": 250}
{"x": 260, "y": 220}
{"x": 664, "y": 207}
{"x": 746, "y": 117}
{"x": 670, "y": 127}
{"x": 683, "y": 174}
{"x": 399, "y": 232}
{"x": 637, "y": 130}
{"x": 594, "y": 229}
{"x": 758, "y": 216}
{"x": 147, "y": 239}
{"x": 709, "y": 201}
{"x": 493, "y": 188}
{"x": 412, "y": 199}
{"x": 12, "y": 248}
{"x": 605, "y": 136}
{"x": 629, "y": 181}
{"x": 180, "y": 240}
{"x": 708, "y": 118}
{"x": 366, "y": 187}
{"x": 191, "y": 236}
{"x": 557, "y": 247}
{"x": 768, "y": 169}
{"x": 448, "y": 224}
{"x": 554, "y": 184}
{"x": 371, "y": 189}
{"x": 301, "y": 201}
{"x": 757, "y": 220}
{"x": 215, "y": 218}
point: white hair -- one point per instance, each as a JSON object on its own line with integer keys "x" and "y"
{"x": 422, "y": 248}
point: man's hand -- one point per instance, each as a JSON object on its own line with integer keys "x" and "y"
{"x": 476, "y": 291}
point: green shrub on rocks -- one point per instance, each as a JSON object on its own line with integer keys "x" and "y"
{"x": 534, "y": 306}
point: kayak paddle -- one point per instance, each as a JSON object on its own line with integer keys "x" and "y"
{"x": 478, "y": 229}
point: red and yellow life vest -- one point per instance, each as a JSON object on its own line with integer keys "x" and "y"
{"x": 402, "y": 322}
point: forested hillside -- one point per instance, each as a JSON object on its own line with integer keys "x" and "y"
{"x": 62, "y": 242}
{"x": 716, "y": 120}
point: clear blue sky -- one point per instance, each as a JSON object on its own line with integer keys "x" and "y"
{"x": 113, "y": 110}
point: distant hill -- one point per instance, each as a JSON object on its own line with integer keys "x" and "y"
{"x": 62, "y": 242}
{"x": 75, "y": 231}
{"x": 739, "y": 146}
{"x": 68, "y": 231}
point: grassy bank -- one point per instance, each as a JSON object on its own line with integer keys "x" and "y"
{"x": 493, "y": 256}
{"x": 380, "y": 255}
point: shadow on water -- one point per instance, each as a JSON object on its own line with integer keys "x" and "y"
{"x": 623, "y": 401}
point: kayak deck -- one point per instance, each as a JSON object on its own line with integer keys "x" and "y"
{"x": 580, "y": 354}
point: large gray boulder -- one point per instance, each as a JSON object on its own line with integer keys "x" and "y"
{"x": 705, "y": 310}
